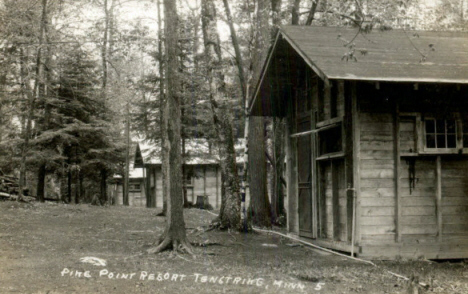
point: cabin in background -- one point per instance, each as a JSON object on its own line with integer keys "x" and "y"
{"x": 377, "y": 138}
{"x": 201, "y": 169}
{"x": 136, "y": 189}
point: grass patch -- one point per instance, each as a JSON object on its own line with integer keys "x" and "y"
{"x": 41, "y": 245}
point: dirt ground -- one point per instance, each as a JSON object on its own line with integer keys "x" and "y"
{"x": 41, "y": 247}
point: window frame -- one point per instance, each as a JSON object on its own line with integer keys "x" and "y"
{"x": 457, "y": 119}
{"x": 132, "y": 187}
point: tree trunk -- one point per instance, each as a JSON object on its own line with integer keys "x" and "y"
{"x": 174, "y": 235}
{"x": 259, "y": 201}
{"x": 312, "y": 10}
{"x": 103, "y": 185}
{"x": 41, "y": 182}
{"x": 276, "y": 12}
{"x": 162, "y": 100}
{"x": 245, "y": 106}
{"x": 69, "y": 182}
{"x": 295, "y": 12}
{"x": 127, "y": 158}
{"x": 77, "y": 187}
{"x": 230, "y": 214}
{"x": 277, "y": 195}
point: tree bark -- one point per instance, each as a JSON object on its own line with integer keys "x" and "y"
{"x": 103, "y": 185}
{"x": 276, "y": 12}
{"x": 162, "y": 102}
{"x": 230, "y": 214}
{"x": 174, "y": 235}
{"x": 127, "y": 157}
{"x": 310, "y": 16}
{"x": 295, "y": 12}
{"x": 244, "y": 106}
{"x": 259, "y": 201}
{"x": 41, "y": 182}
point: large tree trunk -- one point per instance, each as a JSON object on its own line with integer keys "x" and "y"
{"x": 174, "y": 235}
{"x": 245, "y": 106}
{"x": 230, "y": 213}
{"x": 277, "y": 161}
{"x": 162, "y": 99}
{"x": 259, "y": 201}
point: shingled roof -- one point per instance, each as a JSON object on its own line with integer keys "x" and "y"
{"x": 394, "y": 55}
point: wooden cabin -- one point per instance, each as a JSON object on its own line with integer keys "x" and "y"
{"x": 377, "y": 138}
{"x": 136, "y": 189}
{"x": 201, "y": 169}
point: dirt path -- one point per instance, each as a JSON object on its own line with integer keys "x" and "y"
{"x": 41, "y": 246}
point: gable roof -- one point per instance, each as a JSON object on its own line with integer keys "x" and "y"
{"x": 386, "y": 55}
{"x": 394, "y": 55}
{"x": 198, "y": 152}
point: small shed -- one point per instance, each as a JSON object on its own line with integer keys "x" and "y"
{"x": 377, "y": 138}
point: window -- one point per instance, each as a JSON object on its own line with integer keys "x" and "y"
{"x": 330, "y": 140}
{"x": 189, "y": 174}
{"x": 465, "y": 133}
{"x": 433, "y": 134}
{"x": 440, "y": 133}
{"x": 134, "y": 187}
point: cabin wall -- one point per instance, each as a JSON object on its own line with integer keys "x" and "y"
{"x": 136, "y": 193}
{"x": 413, "y": 199}
{"x": 205, "y": 180}
{"x": 377, "y": 195}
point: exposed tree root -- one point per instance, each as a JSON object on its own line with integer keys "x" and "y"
{"x": 168, "y": 243}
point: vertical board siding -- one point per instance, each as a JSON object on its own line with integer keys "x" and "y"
{"x": 377, "y": 177}
{"x": 328, "y": 193}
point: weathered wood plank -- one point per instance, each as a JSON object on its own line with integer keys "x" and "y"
{"x": 378, "y": 230}
{"x": 419, "y": 229}
{"x": 377, "y": 183}
{"x": 377, "y": 154}
{"x": 378, "y": 201}
{"x": 454, "y": 219}
{"x": 455, "y": 229}
{"x": 376, "y": 145}
{"x": 459, "y": 191}
{"x": 367, "y": 136}
{"x": 378, "y": 220}
{"x": 367, "y": 117}
{"x": 415, "y": 211}
{"x": 418, "y": 201}
{"x": 378, "y": 211}
{"x": 454, "y": 210}
{"x": 377, "y": 127}
{"x": 420, "y": 219}
{"x": 376, "y": 164}
{"x": 377, "y": 174}
{"x": 377, "y": 192}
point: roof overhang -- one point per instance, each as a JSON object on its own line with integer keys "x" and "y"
{"x": 393, "y": 57}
